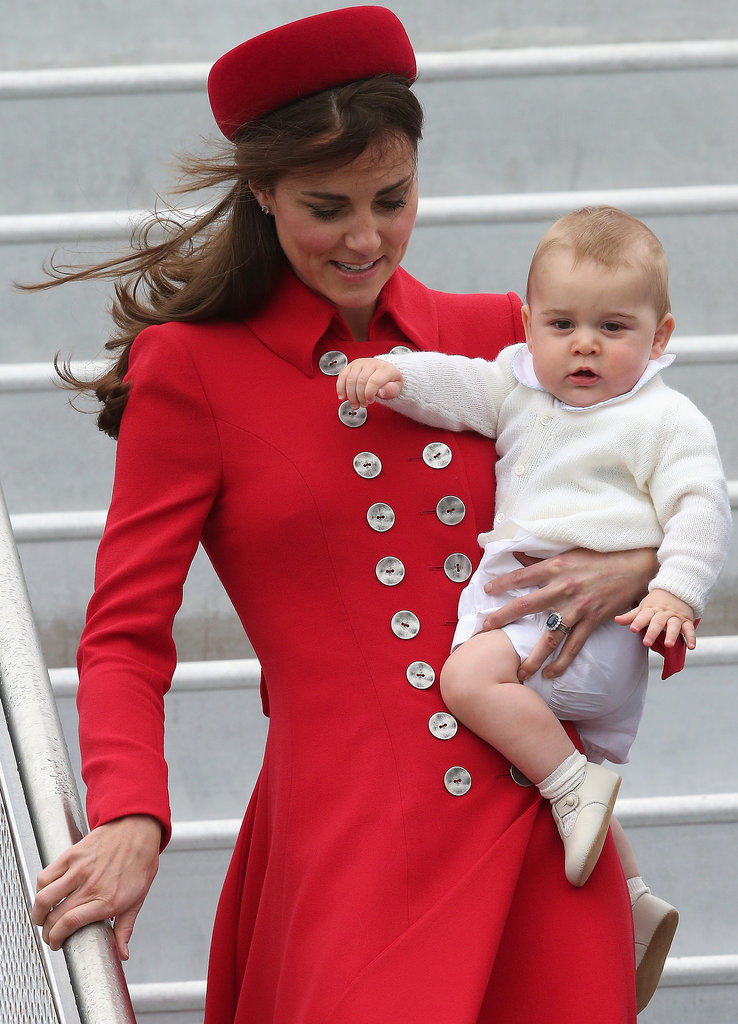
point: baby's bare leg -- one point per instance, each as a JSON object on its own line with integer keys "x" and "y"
{"x": 625, "y": 850}
{"x": 480, "y": 687}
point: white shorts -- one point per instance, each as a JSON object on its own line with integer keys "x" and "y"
{"x": 604, "y": 689}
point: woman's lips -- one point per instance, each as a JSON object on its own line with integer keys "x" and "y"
{"x": 356, "y": 268}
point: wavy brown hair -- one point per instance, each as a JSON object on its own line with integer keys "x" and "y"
{"x": 222, "y": 264}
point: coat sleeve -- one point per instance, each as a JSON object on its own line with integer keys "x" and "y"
{"x": 166, "y": 478}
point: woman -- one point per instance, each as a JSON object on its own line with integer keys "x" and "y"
{"x": 389, "y": 868}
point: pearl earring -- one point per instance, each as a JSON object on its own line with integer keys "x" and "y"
{"x": 266, "y": 210}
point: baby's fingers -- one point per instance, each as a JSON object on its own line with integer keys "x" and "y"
{"x": 654, "y": 629}
{"x": 677, "y": 627}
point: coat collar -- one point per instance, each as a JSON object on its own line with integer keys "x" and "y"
{"x": 295, "y": 319}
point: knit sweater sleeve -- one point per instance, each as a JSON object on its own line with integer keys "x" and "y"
{"x": 690, "y": 496}
{"x": 454, "y": 392}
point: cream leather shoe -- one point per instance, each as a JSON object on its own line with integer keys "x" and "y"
{"x": 654, "y": 923}
{"x": 583, "y": 818}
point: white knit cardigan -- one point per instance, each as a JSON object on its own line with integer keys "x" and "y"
{"x": 640, "y": 470}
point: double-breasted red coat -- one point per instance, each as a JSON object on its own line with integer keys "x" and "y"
{"x": 389, "y": 868}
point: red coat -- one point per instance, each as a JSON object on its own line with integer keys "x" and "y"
{"x": 362, "y": 889}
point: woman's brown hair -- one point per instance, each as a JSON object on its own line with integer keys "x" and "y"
{"x": 222, "y": 264}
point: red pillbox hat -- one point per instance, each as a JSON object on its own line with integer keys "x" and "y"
{"x": 305, "y": 57}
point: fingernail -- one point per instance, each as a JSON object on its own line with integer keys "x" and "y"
{"x": 522, "y": 676}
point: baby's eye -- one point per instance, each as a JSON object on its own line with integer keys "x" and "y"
{"x": 612, "y": 327}
{"x": 562, "y": 325}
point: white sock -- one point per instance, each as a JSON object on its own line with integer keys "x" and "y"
{"x": 636, "y": 888}
{"x": 565, "y": 778}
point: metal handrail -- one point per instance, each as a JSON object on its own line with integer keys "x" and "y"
{"x": 47, "y": 779}
{"x": 677, "y": 55}
{"x": 435, "y": 210}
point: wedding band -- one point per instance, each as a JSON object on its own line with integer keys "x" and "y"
{"x": 554, "y": 622}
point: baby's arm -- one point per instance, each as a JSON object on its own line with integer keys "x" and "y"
{"x": 364, "y": 379}
{"x": 450, "y": 392}
{"x": 660, "y": 612}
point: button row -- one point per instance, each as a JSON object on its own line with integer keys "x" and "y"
{"x": 381, "y": 516}
{"x": 331, "y": 363}
{"x": 390, "y": 570}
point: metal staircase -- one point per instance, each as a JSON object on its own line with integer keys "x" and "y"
{"x": 515, "y": 137}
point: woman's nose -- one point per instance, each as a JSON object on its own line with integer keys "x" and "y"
{"x": 363, "y": 236}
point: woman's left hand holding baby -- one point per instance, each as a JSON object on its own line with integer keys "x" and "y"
{"x": 363, "y": 380}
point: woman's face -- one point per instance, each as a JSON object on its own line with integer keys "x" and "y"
{"x": 344, "y": 231}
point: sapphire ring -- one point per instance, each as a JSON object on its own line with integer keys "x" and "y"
{"x": 554, "y": 622}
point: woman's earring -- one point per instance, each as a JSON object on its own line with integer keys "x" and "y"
{"x": 266, "y": 210}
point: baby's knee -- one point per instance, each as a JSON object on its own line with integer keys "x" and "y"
{"x": 455, "y": 685}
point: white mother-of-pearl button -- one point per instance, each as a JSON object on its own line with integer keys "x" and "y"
{"x": 390, "y": 571}
{"x": 437, "y": 455}
{"x": 451, "y": 510}
{"x": 381, "y": 517}
{"x": 458, "y": 567}
{"x": 405, "y": 624}
{"x": 331, "y": 363}
{"x": 443, "y": 725}
{"x": 457, "y": 781}
{"x": 368, "y": 465}
{"x": 351, "y": 417}
{"x": 420, "y": 675}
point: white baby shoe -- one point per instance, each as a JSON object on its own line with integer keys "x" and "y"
{"x": 654, "y": 923}
{"x": 583, "y": 818}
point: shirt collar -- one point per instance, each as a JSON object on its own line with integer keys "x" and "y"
{"x": 525, "y": 374}
{"x": 295, "y": 318}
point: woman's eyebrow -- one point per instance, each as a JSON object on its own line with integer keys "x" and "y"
{"x": 340, "y": 197}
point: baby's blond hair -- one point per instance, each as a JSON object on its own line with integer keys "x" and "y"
{"x": 613, "y": 238}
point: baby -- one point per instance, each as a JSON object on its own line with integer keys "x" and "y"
{"x": 595, "y": 451}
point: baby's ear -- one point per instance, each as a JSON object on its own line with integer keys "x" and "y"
{"x": 525, "y": 314}
{"x": 662, "y": 335}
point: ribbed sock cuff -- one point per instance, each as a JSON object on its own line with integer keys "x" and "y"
{"x": 565, "y": 778}
{"x": 636, "y": 888}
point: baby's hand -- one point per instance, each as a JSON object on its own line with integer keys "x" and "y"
{"x": 661, "y": 612}
{"x": 363, "y": 379}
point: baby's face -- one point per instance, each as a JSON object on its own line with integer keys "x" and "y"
{"x": 590, "y": 329}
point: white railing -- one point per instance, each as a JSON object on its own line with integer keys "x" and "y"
{"x": 238, "y": 673}
{"x": 679, "y": 972}
{"x": 30, "y": 377}
{"x": 633, "y": 812}
{"x": 54, "y": 228}
{"x": 30, "y": 527}
{"x": 607, "y": 58}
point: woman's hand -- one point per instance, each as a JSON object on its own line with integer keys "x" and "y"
{"x": 587, "y": 588}
{"x": 106, "y": 875}
{"x": 362, "y": 380}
